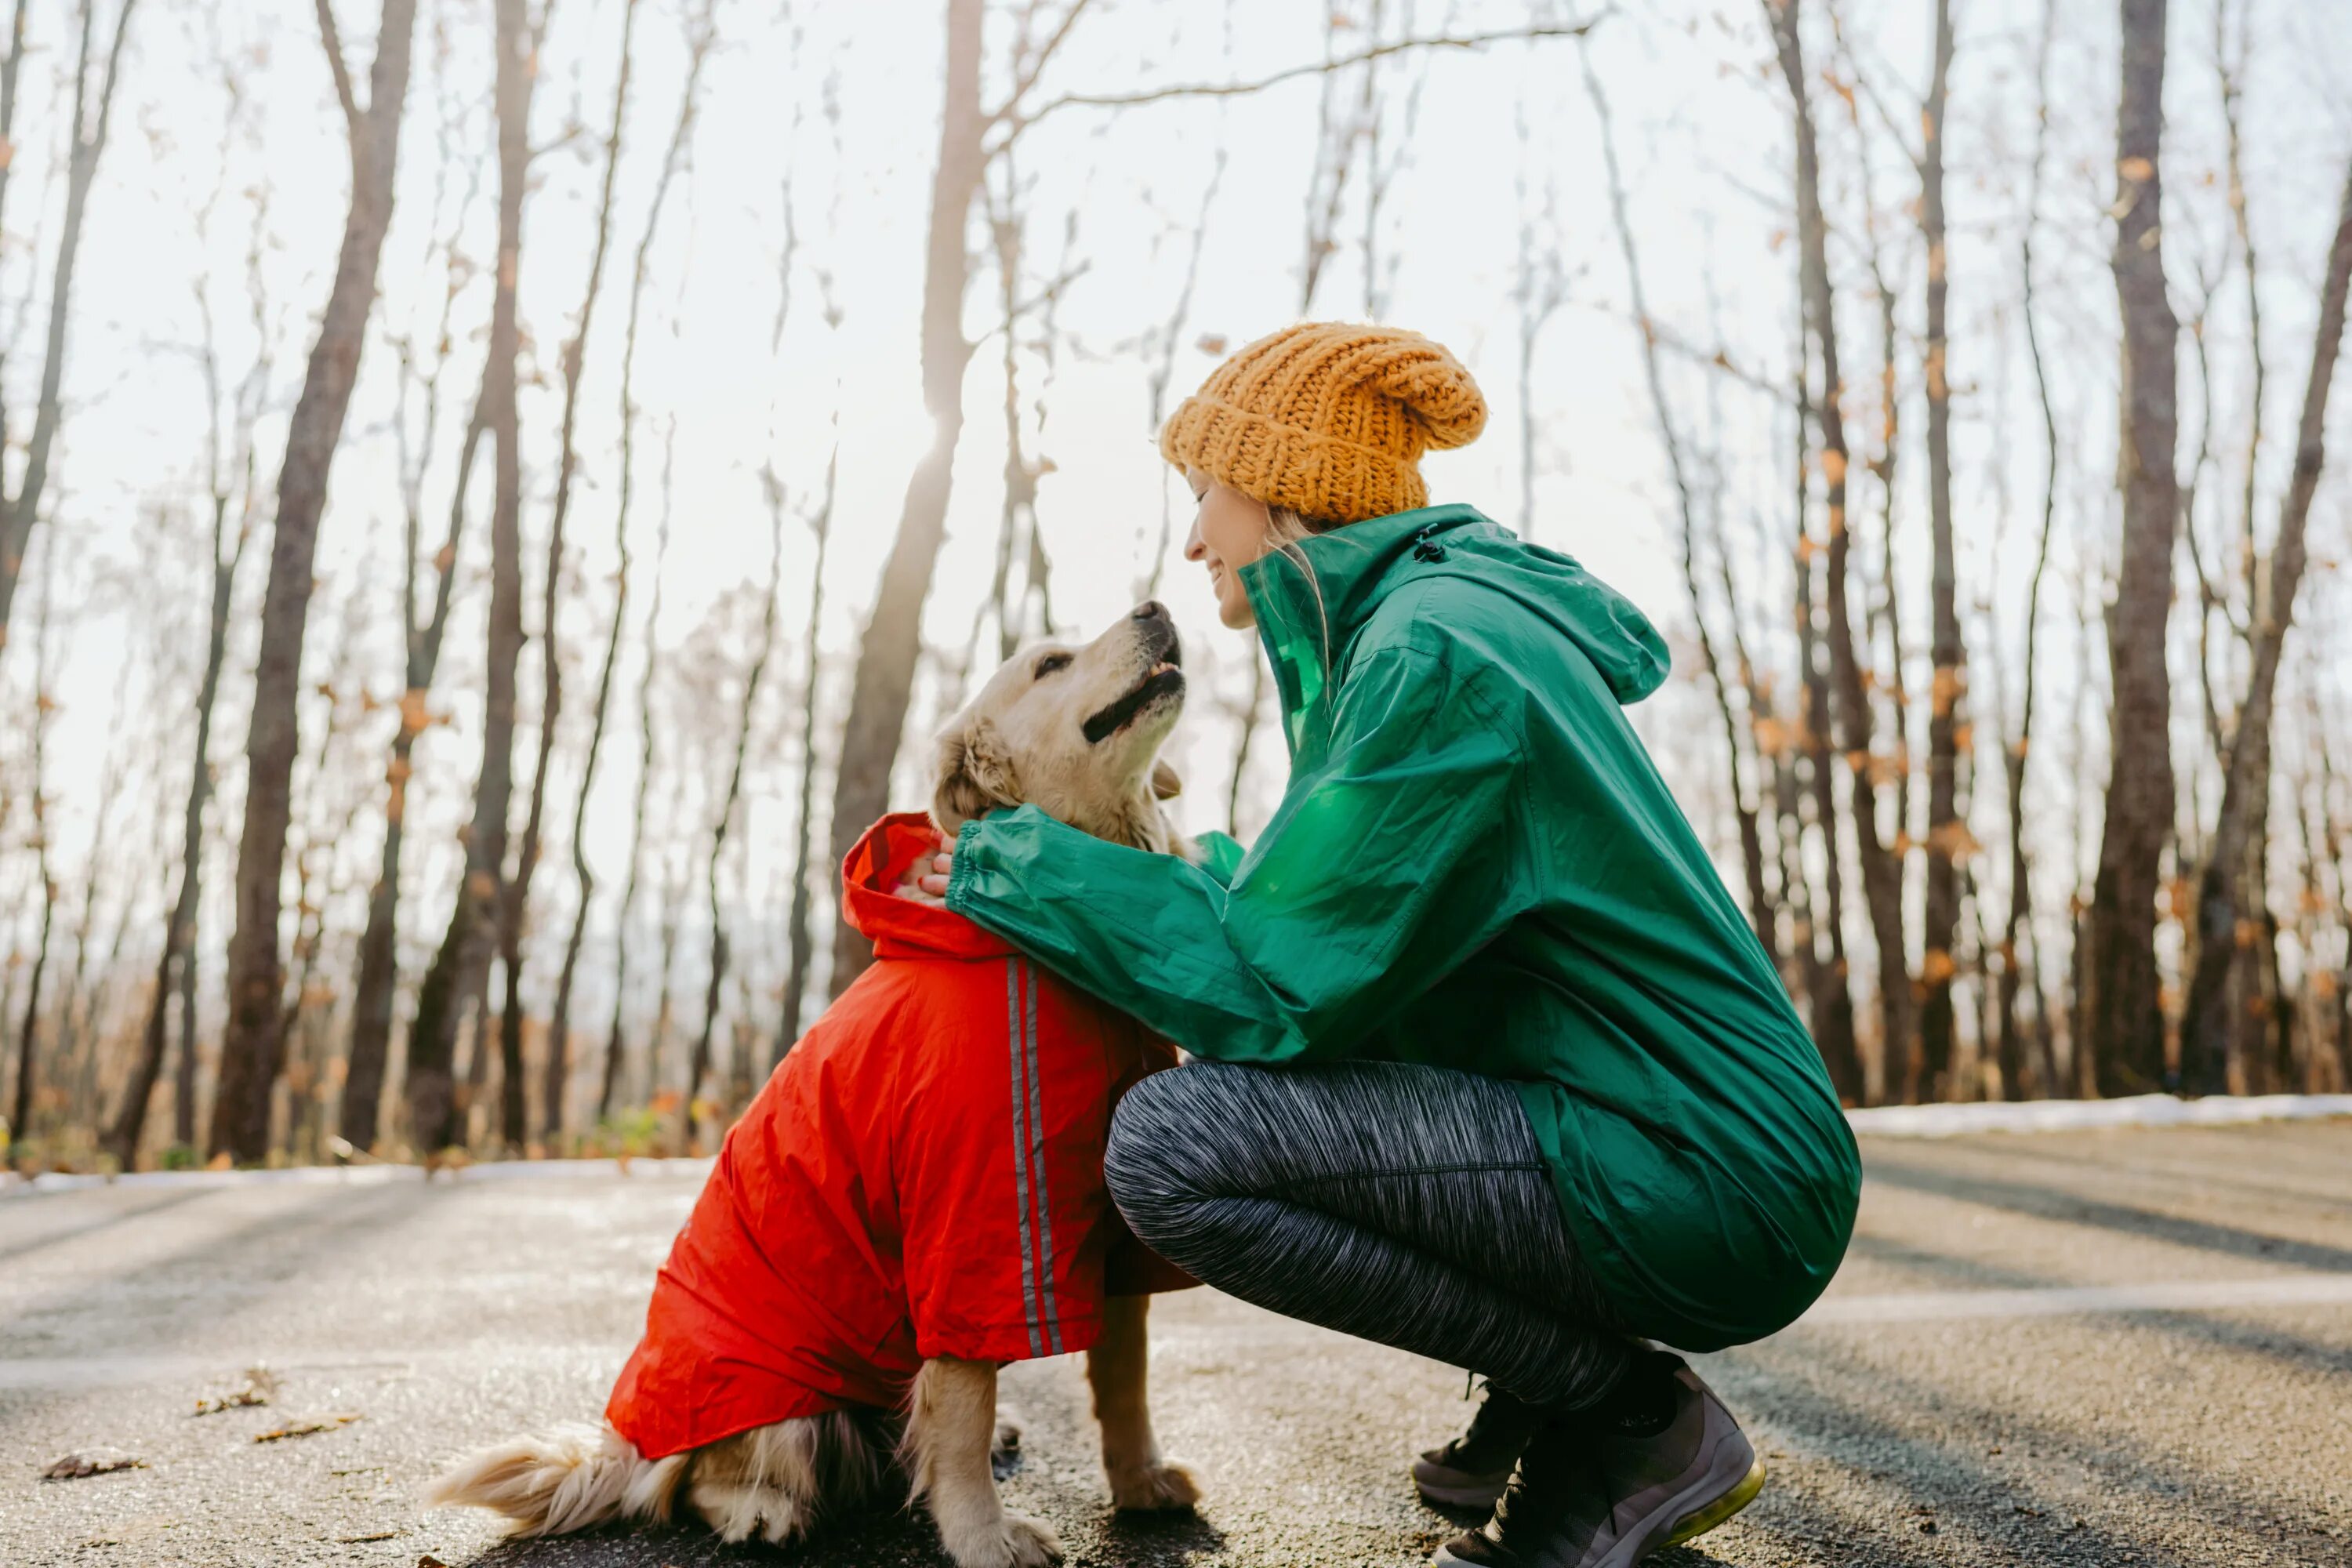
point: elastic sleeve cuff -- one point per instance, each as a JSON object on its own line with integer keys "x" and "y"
{"x": 964, "y": 867}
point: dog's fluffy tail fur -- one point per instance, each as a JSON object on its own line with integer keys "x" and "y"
{"x": 772, "y": 1481}
{"x": 569, "y": 1478}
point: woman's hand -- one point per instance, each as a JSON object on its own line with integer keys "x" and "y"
{"x": 926, "y": 882}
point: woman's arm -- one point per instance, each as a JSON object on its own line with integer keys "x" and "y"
{"x": 1383, "y": 869}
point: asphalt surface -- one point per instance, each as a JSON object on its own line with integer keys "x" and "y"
{"x": 2124, "y": 1348}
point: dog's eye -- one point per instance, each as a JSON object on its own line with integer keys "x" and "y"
{"x": 1051, "y": 663}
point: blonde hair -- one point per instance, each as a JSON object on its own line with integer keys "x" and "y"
{"x": 1285, "y": 531}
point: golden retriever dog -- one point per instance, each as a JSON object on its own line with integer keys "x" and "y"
{"x": 1076, "y": 730}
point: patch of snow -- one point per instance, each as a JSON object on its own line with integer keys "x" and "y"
{"x": 12, "y": 1185}
{"x": 2076, "y": 1115}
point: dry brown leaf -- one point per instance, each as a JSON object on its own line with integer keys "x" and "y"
{"x": 259, "y": 1384}
{"x": 83, "y": 1462}
{"x": 2139, "y": 171}
{"x": 303, "y": 1427}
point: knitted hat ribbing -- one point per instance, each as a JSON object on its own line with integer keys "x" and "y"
{"x": 1327, "y": 419}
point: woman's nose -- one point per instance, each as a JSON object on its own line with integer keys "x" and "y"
{"x": 1194, "y": 549}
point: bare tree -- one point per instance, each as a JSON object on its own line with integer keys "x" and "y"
{"x": 559, "y": 1038}
{"x": 2118, "y": 998}
{"x": 550, "y": 662}
{"x": 883, "y": 685}
{"x": 1949, "y": 842}
{"x": 1881, "y": 870}
{"x": 460, "y": 968}
{"x": 2246, "y": 765}
{"x": 1745, "y": 811}
{"x": 20, "y": 1116}
{"x": 798, "y": 937}
{"x": 701, "y": 35}
{"x": 19, "y": 513}
{"x": 251, "y": 1047}
{"x": 616, "y": 1051}
{"x": 371, "y": 1002}
{"x": 2017, "y": 928}
{"x": 740, "y": 1087}
{"x": 229, "y": 464}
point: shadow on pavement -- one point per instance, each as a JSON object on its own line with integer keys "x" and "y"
{"x": 888, "y": 1539}
{"x": 2054, "y": 1203}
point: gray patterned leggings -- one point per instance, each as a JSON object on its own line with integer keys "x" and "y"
{"x": 1401, "y": 1204}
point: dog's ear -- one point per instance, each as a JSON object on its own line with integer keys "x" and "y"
{"x": 1165, "y": 785}
{"x": 973, "y": 773}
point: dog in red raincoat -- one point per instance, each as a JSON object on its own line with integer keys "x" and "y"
{"x": 914, "y": 1197}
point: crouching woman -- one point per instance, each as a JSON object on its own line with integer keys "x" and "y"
{"x": 1491, "y": 1069}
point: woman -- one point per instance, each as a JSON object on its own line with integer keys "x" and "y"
{"x": 1492, "y": 1067}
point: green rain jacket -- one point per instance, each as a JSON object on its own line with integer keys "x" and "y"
{"x": 1476, "y": 865}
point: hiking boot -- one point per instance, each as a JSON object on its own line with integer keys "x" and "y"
{"x": 1606, "y": 1494}
{"x": 1470, "y": 1472}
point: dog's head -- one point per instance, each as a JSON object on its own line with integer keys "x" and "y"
{"x": 1075, "y": 731}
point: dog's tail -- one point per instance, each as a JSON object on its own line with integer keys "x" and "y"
{"x": 562, "y": 1480}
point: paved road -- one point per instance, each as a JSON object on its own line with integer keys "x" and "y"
{"x": 2113, "y": 1349}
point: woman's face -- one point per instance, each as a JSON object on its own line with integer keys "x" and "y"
{"x": 1229, "y": 531}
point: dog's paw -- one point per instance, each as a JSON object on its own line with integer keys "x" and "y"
{"x": 1161, "y": 1486}
{"x": 1014, "y": 1542}
{"x": 1007, "y": 1441}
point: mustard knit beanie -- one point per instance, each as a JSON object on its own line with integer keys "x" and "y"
{"x": 1328, "y": 420}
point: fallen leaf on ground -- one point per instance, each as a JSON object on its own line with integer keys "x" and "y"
{"x": 260, "y": 1382}
{"x": 304, "y": 1426}
{"x": 429, "y": 1561}
{"x": 92, "y": 1462}
{"x": 355, "y": 1540}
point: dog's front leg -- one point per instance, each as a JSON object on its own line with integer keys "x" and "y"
{"x": 949, "y": 1429}
{"x": 1117, "y": 1368}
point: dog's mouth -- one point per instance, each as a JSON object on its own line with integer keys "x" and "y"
{"x": 1162, "y": 683}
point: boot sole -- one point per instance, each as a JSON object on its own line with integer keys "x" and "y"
{"x": 1722, "y": 1509}
{"x": 1460, "y": 1499}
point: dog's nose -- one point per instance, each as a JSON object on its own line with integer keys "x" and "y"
{"x": 1151, "y": 610}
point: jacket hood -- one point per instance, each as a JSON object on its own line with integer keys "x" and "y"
{"x": 1356, "y": 566}
{"x": 903, "y": 927}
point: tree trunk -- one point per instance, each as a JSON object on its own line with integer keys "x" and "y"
{"x": 2245, "y": 780}
{"x": 1881, "y": 870}
{"x": 2119, "y": 998}
{"x": 699, "y": 39}
{"x": 460, "y": 968}
{"x": 2019, "y": 924}
{"x": 559, "y": 1053}
{"x": 20, "y": 1115}
{"x": 250, "y": 1047}
{"x": 1949, "y": 841}
{"x": 379, "y": 973}
{"x": 180, "y": 927}
{"x": 1830, "y": 998}
{"x": 893, "y": 635}
{"x": 1762, "y": 912}
{"x": 739, "y": 1071}
{"x": 798, "y": 935}
{"x": 20, "y": 513}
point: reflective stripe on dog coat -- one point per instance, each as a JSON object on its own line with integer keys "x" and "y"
{"x": 921, "y": 1176}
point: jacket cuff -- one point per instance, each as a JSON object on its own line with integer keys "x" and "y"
{"x": 964, "y": 866}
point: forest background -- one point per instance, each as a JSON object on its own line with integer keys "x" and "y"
{"x": 495, "y": 491}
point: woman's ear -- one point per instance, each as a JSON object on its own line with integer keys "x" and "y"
{"x": 1165, "y": 785}
{"x": 973, "y": 774}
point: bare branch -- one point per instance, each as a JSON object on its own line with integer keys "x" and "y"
{"x": 331, "y": 36}
{"x": 1017, "y": 124}
{"x": 1028, "y": 79}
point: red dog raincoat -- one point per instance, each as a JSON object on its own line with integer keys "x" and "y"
{"x": 922, "y": 1176}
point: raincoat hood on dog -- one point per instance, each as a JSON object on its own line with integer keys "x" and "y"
{"x": 921, "y": 1176}
{"x": 1476, "y": 865}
